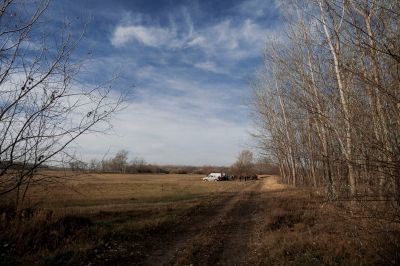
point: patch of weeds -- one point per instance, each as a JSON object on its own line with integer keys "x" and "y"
{"x": 303, "y": 254}
{"x": 7, "y": 212}
{"x": 123, "y": 217}
{"x": 52, "y": 235}
{"x": 286, "y": 220}
{"x": 24, "y": 241}
{"x": 177, "y": 197}
{"x": 66, "y": 258}
{"x": 69, "y": 224}
{"x": 309, "y": 258}
{"x": 101, "y": 224}
{"x": 309, "y": 219}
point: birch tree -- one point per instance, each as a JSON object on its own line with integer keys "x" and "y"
{"x": 326, "y": 103}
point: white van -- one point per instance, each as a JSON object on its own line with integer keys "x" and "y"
{"x": 214, "y": 177}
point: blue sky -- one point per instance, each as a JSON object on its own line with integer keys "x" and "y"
{"x": 187, "y": 66}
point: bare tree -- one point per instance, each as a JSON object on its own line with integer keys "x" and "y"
{"x": 120, "y": 161}
{"x": 137, "y": 165}
{"x": 326, "y": 103}
{"x": 43, "y": 109}
{"x": 244, "y": 164}
{"x": 94, "y": 165}
{"x": 78, "y": 165}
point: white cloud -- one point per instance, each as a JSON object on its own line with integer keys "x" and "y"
{"x": 150, "y": 36}
{"x": 166, "y": 130}
{"x": 228, "y": 40}
{"x": 210, "y": 66}
{"x": 256, "y": 8}
{"x": 175, "y": 120}
{"x": 232, "y": 41}
{"x": 198, "y": 40}
{"x": 168, "y": 136}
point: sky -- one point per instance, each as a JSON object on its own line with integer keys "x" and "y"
{"x": 186, "y": 65}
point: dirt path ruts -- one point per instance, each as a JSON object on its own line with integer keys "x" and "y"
{"x": 220, "y": 231}
{"x": 188, "y": 229}
{"x": 240, "y": 227}
{"x": 219, "y": 239}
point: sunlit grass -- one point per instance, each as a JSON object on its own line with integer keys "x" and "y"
{"x": 124, "y": 191}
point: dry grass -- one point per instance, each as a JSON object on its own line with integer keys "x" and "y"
{"x": 302, "y": 228}
{"x": 97, "y": 192}
{"x": 271, "y": 183}
{"x": 119, "y": 219}
{"x": 90, "y": 212}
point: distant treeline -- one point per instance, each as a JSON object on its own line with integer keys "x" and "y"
{"x": 20, "y": 165}
{"x": 245, "y": 165}
{"x": 119, "y": 164}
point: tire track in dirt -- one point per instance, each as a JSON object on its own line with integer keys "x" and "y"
{"x": 158, "y": 248}
{"x": 224, "y": 240}
{"x": 222, "y": 230}
{"x": 196, "y": 220}
{"x": 240, "y": 229}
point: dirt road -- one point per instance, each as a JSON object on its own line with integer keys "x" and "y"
{"x": 223, "y": 233}
{"x": 223, "y": 230}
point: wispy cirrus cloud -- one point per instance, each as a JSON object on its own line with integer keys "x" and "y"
{"x": 209, "y": 66}
{"x": 234, "y": 40}
{"x": 257, "y": 8}
{"x": 150, "y": 36}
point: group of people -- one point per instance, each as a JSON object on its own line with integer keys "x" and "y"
{"x": 244, "y": 177}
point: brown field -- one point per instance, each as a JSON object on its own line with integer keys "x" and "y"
{"x": 122, "y": 192}
{"x": 116, "y": 219}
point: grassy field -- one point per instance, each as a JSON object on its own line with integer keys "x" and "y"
{"x": 101, "y": 192}
{"x": 113, "y": 219}
{"x": 84, "y": 213}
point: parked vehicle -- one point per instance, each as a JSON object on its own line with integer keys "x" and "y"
{"x": 214, "y": 177}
